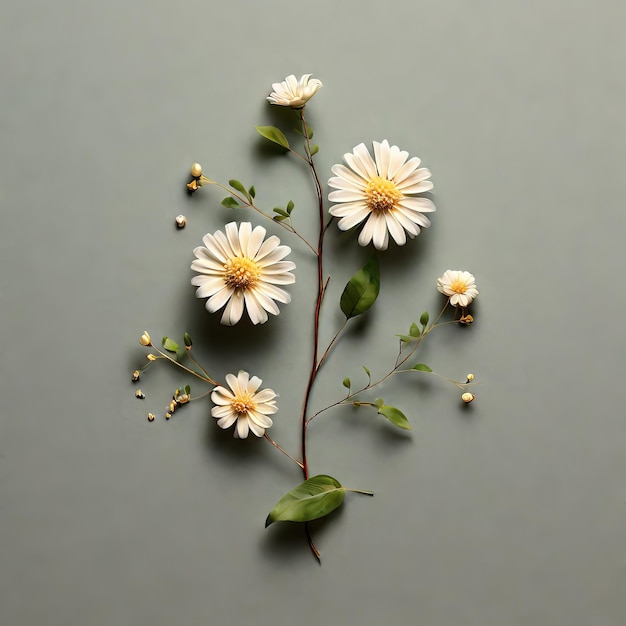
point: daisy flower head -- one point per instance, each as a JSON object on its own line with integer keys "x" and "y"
{"x": 459, "y": 286}
{"x": 241, "y": 269}
{"x": 382, "y": 192}
{"x": 294, "y": 93}
{"x": 243, "y": 405}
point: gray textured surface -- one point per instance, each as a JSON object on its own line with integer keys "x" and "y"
{"x": 512, "y": 513}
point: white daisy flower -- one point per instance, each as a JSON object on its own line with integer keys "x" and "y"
{"x": 241, "y": 269}
{"x": 459, "y": 286}
{"x": 244, "y": 405}
{"x": 381, "y": 193}
{"x": 294, "y": 93}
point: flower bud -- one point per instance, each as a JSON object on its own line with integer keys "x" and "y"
{"x": 470, "y": 378}
{"x": 152, "y": 357}
{"x": 181, "y": 221}
{"x": 151, "y": 417}
{"x": 135, "y": 376}
{"x": 196, "y": 170}
{"x": 468, "y": 397}
{"x": 466, "y": 320}
{"x": 140, "y": 394}
{"x": 145, "y": 340}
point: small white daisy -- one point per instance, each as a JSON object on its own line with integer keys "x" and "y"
{"x": 240, "y": 269}
{"x": 294, "y": 93}
{"x": 244, "y": 405}
{"x": 459, "y": 286}
{"x": 381, "y": 193}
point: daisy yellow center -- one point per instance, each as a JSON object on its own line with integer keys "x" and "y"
{"x": 241, "y": 272}
{"x": 243, "y": 404}
{"x": 458, "y": 286}
{"x": 382, "y": 195}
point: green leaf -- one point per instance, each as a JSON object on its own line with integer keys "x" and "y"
{"x": 235, "y": 184}
{"x": 314, "y": 149}
{"x": 310, "y": 133}
{"x": 187, "y": 389}
{"x": 252, "y": 192}
{"x": 187, "y": 339}
{"x": 230, "y": 203}
{"x": 273, "y": 134}
{"x": 279, "y": 218}
{"x": 395, "y": 416}
{"x": 406, "y": 338}
{"x": 290, "y": 206}
{"x": 421, "y": 367}
{"x": 169, "y": 345}
{"x": 281, "y": 212}
{"x": 379, "y": 402}
{"x": 424, "y": 317}
{"x": 362, "y": 290}
{"x": 346, "y": 382}
{"x": 312, "y": 499}
{"x": 369, "y": 375}
{"x": 414, "y": 331}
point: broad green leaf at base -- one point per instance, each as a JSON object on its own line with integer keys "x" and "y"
{"x": 312, "y": 499}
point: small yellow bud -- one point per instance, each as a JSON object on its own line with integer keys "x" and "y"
{"x": 468, "y": 397}
{"x": 466, "y": 320}
{"x": 196, "y": 170}
{"x": 151, "y": 417}
{"x": 145, "y": 340}
{"x": 152, "y": 357}
{"x": 181, "y": 221}
{"x": 193, "y": 185}
{"x": 172, "y": 406}
{"x": 135, "y": 376}
{"x": 470, "y": 378}
{"x": 168, "y": 415}
{"x": 140, "y": 394}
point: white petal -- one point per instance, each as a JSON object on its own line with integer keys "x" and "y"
{"x": 381, "y": 155}
{"x": 380, "y": 237}
{"x": 227, "y": 421}
{"x": 242, "y": 379}
{"x": 397, "y": 158}
{"x": 277, "y": 254}
{"x": 346, "y": 195}
{"x": 233, "y": 383}
{"x": 265, "y": 395}
{"x": 349, "y": 176}
{"x": 214, "y": 248}
{"x": 341, "y": 210}
{"x": 221, "y": 411}
{"x": 265, "y": 302}
{"x": 423, "y": 205}
{"x": 395, "y": 229}
{"x": 221, "y": 395}
{"x": 284, "y": 278}
{"x": 218, "y": 300}
{"x": 279, "y": 267}
{"x": 208, "y": 285}
{"x": 245, "y": 230}
{"x": 254, "y": 428}
{"x": 256, "y": 312}
{"x": 259, "y": 419}
{"x": 234, "y": 309}
{"x": 253, "y": 384}
{"x": 421, "y": 187}
{"x": 207, "y": 266}
{"x": 233, "y": 237}
{"x": 367, "y": 232}
{"x": 256, "y": 239}
{"x": 221, "y": 244}
{"x": 406, "y": 222}
{"x": 274, "y": 292}
{"x": 242, "y": 427}
{"x": 355, "y": 217}
{"x": 406, "y": 170}
{"x": 271, "y": 243}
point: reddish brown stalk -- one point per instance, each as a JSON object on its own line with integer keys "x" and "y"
{"x": 316, "y": 319}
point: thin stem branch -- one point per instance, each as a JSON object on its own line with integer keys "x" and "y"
{"x": 206, "y": 379}
{"x": 283, "y": 451}
{"x": 332, "y": 342}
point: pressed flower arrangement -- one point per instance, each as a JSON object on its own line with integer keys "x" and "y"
{"x": 240, "y": 270}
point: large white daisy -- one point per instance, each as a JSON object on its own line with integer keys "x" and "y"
{"x": 294, "y": 93}
{"x": 244, "y": 405}
{"x": 381, "y": 193}
{"x": 459, "y": 286}
{"x": 240, "y": 269}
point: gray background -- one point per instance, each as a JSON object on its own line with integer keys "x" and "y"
{"x": 511, "y": 512}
